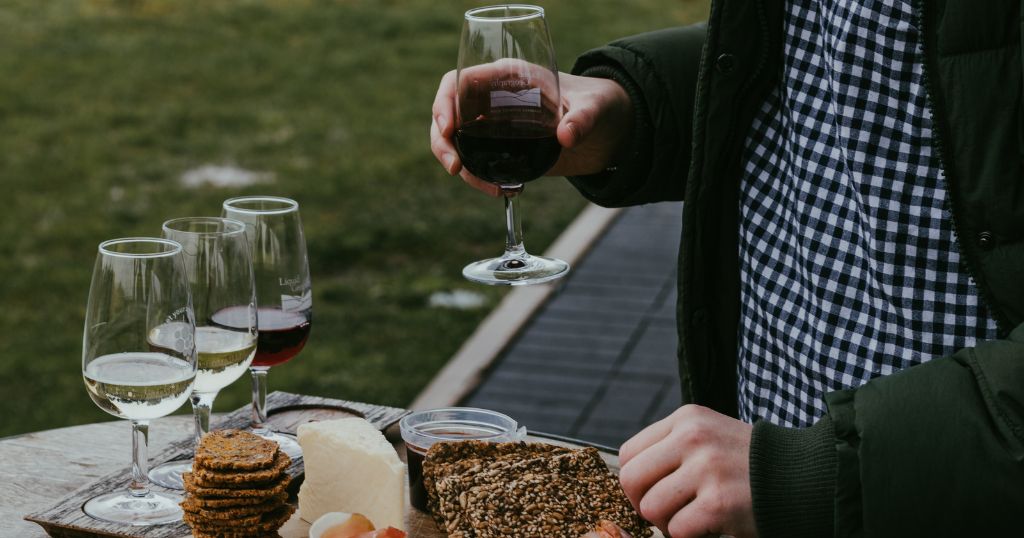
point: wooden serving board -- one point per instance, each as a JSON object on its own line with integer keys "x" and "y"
{"x": 65, "y": 519}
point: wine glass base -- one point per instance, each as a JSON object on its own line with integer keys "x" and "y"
{"x": 168, "y": 475}
{"x": 127, "y": 509}
{"x": 521, "y": 270}
{"x": 288, "y": 443}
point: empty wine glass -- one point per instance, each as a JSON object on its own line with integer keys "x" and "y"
{"x": 283, "y": 292}
{"x": 220, "y": 274}
{"x": 507, "y": 110}
{"x": 138, "y": 287}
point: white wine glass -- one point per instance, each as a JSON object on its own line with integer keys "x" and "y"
{"x": 138, "y": 286}
{"x": 220, "y": 276}
{"x": 507, "y": 111}
{"x": 283, "y": 291}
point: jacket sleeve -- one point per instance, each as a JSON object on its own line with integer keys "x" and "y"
{"x": 934, "y": 450}
{"x": 659, "y": 72}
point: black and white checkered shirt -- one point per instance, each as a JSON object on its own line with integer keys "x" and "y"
{"x": 849, "y": 266}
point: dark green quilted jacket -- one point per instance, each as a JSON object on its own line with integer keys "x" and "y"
{"x": 934, "y": 450}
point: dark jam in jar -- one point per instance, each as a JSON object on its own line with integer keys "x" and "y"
{"x": 417, "y": 493}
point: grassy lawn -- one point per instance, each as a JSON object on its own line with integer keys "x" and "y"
{"x": 106, "y": 104}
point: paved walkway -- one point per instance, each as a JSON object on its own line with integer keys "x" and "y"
{"x": 598, "y": 360}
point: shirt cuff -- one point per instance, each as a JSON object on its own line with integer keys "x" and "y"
{"x": 793, "y": 479}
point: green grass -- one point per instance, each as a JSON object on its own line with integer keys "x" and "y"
{"x": 104, "y": 104}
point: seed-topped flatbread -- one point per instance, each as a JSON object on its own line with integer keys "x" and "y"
{"x": 261, "y": 491}
{"x": 555, "y": 495}
{"x": 227, "y": 450}
{"x": 457, "y": 457}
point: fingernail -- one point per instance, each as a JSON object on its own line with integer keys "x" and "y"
{"x": 449, "y": 160}
{"x": 574, "y": 131}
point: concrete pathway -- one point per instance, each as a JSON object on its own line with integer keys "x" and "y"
{"x": 598, "y": 360}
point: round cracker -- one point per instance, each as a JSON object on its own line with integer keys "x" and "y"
{"x": 235, "y": 450}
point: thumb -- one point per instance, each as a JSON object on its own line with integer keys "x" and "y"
{"x": 576, "y": 126}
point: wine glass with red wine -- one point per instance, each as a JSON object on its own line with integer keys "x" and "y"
{"x": 283, "y": 295}
{"x": 508, "y": 108}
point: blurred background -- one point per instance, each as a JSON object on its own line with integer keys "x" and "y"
{"x": 117, "y": 115}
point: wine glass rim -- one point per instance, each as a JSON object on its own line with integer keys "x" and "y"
{"x": 235, "y": 226}
{"x": 171, "y": 247}
{"x": 531, "y": 12}
{"x": 288, "y": 205}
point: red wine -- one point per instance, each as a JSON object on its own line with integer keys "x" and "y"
{"x": 507, "y": 152}
{"x": 282, "y": 335}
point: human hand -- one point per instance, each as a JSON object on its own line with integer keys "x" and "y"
{"x": 596, "y": 121}
{"x": 689, "y": 474}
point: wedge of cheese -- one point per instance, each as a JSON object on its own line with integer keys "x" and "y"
{"x": 351, "y": 467}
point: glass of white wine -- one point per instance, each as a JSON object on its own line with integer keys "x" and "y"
{"x": 220, "y": 275}
{"x": 138, "y": 285}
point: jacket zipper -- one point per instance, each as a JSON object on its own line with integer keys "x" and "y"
{"x": 938, "y": 124}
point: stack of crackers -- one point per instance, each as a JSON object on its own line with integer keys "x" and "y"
{"x": 482, "y": 490}
{"x": 237, "y": 487}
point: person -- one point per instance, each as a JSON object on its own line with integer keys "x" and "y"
{"x": 851, "y": 289}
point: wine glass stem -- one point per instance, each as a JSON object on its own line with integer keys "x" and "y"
{"x": 514, "y": 237}
{"x": 202, "y": 406}
{"x": 140, "y": 459}
{"x": 259, "y": 400}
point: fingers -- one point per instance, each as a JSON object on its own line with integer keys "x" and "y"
{"x": 669, "y": 495}
{"x": 442, "y": 125}
{"x": 576, "y": 125}
{"x": 647, "y": 437}
{"x": 443, "y": 150}
{"x": 649, "y": 467}
{"x": 489, "y": 189}
{"x": 444, "y": 104}
{"x": 695, "y": 520}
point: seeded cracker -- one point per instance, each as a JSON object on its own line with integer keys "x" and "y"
{"x": 238, "y": 487}
{"x": 201, "y": 534}
{"x": 269, "y": 522}
{"x": 232, "y": 512}
{"x": 193, "y": 503}
{"x": 210, "y": 478}
{"x": 559, "y": 495}
{"x": 235, "y": 450}
{"x": 260, "y": 491}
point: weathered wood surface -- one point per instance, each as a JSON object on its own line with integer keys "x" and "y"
{"x": 66, "y": 453}
{"x": 37, "y": 470}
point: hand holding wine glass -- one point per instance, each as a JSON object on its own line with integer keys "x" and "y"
{"x": 283, "y": 293}
{"x": 508, "y": 108}
{"x": 138, "y": 287}
{"x": 594, "y": 131}
{"x": 220, "y": 275}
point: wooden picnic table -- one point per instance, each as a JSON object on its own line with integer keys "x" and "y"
{"x": 40, "y": 468}
{"x": 37, "y": 469}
